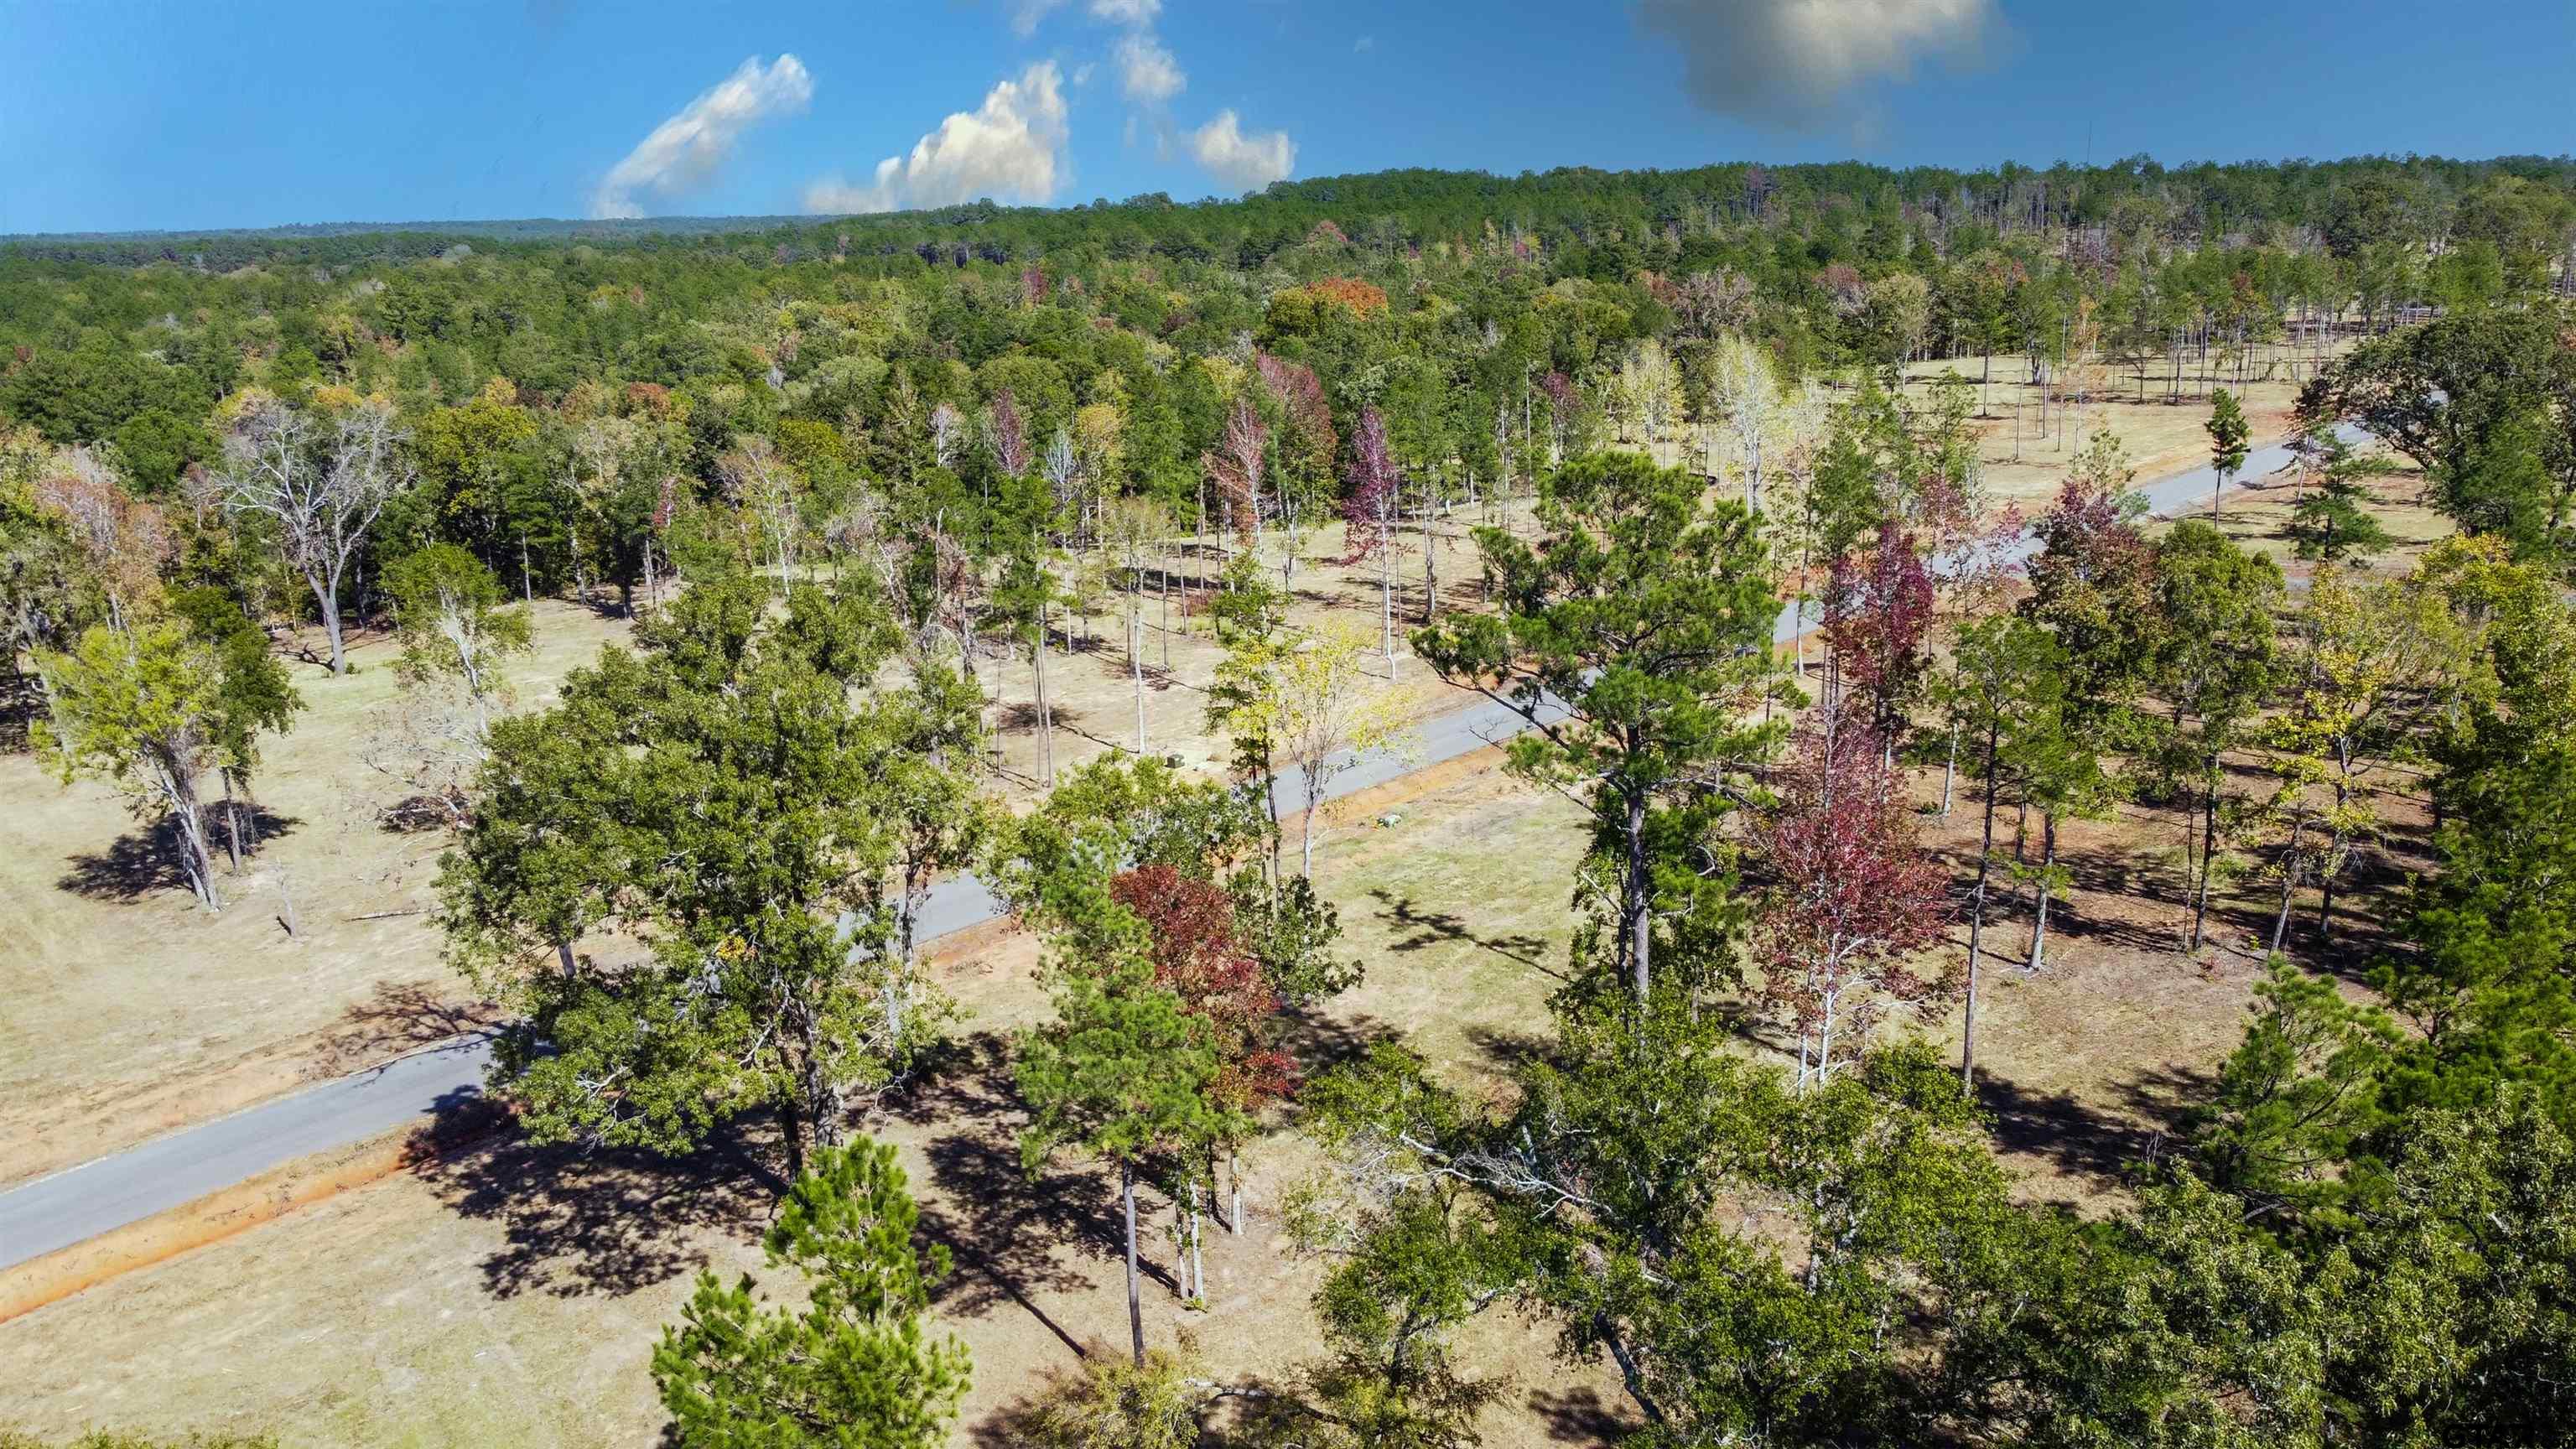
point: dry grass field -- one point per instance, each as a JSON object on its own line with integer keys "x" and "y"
{"x": 511, "y": 1296}
{"x": 508, "y": 1296}
{"x": 126, "y": 1012}
{"x": 2025, "y": 464}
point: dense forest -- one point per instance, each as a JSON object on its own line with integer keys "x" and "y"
{"x": 831, "y": 469}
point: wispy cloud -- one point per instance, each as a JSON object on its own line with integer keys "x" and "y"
{"x": 1793, "y": 62}
{"x": 1241, "y": 161}
{"x": 1364, "y": 45}
{"x": 1148, "y": 73}
{"x": 1027, "y": 14}
{"x": 1011, "y": 147}
{"x": 688, "y": 150}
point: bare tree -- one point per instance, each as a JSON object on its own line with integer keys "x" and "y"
{"x": 429, "y": 738}
{"x": 324, "y": 497}
{"x": 766, "y": 484}
{"x": 1132, "y": 525}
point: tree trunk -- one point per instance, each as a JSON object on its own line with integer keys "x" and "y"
{"x": 822, "y": 1104}
{"x": 232, "y": 824}
{"x": 1046, "y": 719}
{"x": 1386, "y": 598}
{"x": 791, "y": 1132}
{"x": 1198, "y": 1268}
{"x": 2289, "y": 884}
{"x": 1306, "y": 827}
{"x": 1977, "y": 918}
{"x": 326, "y": 592}
{"x": 1629, "y": 1373}
{"x": 2047, "y": 864}
{"x": 2208, "y": 854}
{"x": 1949, "y": 771}
{"x": 2325, "y": 891}
{"x": 196, "y": 860}
{"x": 1638, "y": 925}
{"x": 1430, "y": 564}
{"x": 1136, "y": 663}
{"x": 1135, "y": 1304}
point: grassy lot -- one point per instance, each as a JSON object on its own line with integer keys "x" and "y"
{"x": 511, "y": 1296}
{"x": 125, "y": 1012}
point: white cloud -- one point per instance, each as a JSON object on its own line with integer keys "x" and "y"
{"x": 1025, "y": 14}
{"x": 1126, "y": 12}
{"x": 1791, "y": 62}
{"x": 1011, "y": 147}
{"x": 1364, "y": 44}
{"x": 1794, "y": 60}
{"x": 1242, "y": 162}
{"x": 1148, "y": 72}
{"x": 691, "y": 147}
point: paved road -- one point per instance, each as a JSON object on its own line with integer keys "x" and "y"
{"x": 80, "y": 1203}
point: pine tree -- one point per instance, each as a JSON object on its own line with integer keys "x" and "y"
{"x": 2228, "y": 436}
{"x": 1633, "y": 637}
{"x": 1122, "y": 1073}
{"x": 2333, "y": 519}
{"x": 853, "y": 1369}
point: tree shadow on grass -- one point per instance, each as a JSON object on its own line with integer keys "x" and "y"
{"x": 1419, "y": 929}
{"x": 1321, "y": 1042}
{"x": 145, "y": 861}
{"x": 1020, "y": 717}
{"x": 1578, "y": 1416}
{"x": 1508, "y": 1049}
{"x": 2103, "y": 1148}
{"x": 610, "y": 1221}
{"x": 1011, "y": 1238}
{"x": 399, "y": 1016}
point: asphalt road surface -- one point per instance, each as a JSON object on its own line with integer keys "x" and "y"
{"x": 82, "y": 1202}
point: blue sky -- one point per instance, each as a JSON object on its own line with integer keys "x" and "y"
{"x": 149, "y": 115}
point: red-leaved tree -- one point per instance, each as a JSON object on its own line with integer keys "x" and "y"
{"x": 1878, "y": 613}
{"x": 1199, "y": 957}
{"x": 1312, "y": 440}
{"x": 1853, "y": 898}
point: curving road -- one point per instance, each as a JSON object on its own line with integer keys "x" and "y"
{"x": 110, "y": 1192}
